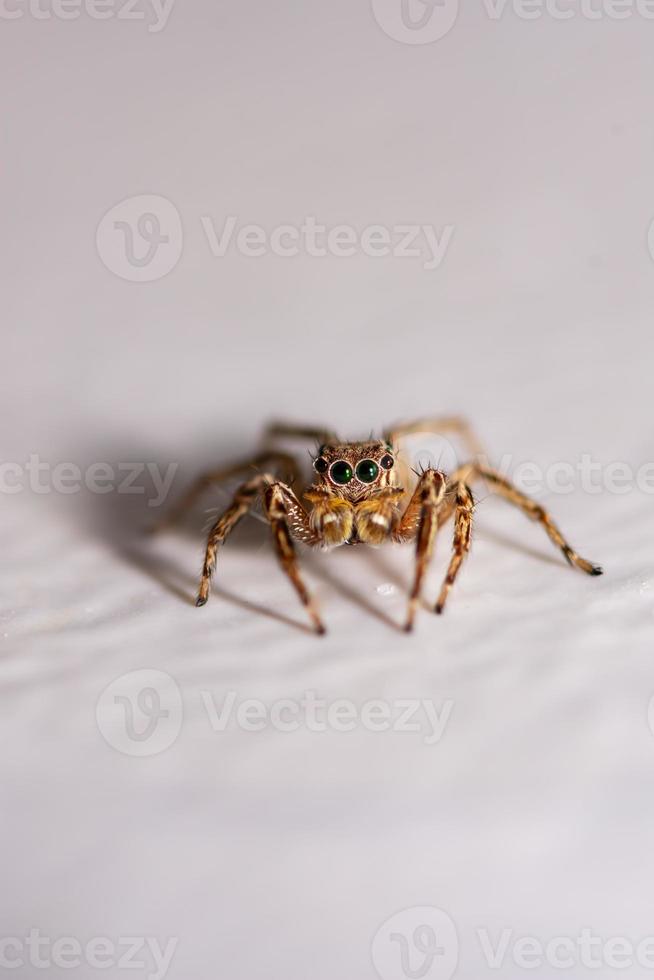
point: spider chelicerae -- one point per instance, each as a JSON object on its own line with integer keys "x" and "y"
{"x": 358, "y": 497}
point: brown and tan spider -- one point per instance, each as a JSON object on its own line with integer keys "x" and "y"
{"x": 357, "y": 498}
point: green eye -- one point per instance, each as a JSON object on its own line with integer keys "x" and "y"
{"x": 367, "y": 471}
{"x": 341, "y": 472}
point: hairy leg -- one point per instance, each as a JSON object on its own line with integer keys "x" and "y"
{"x": 437, "y": 425}
{"x": 284, "y": 462}
{"x": 463, "y": 508}
{"x": 420, "y": 521}
{"x": 287, "y": 430}
{"x": 244, "y": 498}
{"x": 278, "y": 509}
{"x": 533, "y": 510}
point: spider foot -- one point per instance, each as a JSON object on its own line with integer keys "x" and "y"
{"x": 411, "y": 614}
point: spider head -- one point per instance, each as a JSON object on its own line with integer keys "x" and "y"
{"x": 355, "y": 470}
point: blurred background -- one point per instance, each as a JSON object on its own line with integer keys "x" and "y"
{"x": 219, "y": 213}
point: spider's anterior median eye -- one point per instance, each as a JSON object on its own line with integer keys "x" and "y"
{"x": 320, "y": 465}
{"x": 367, "y": 471}
{"x": 387, "y": 462}
{"x": 341, "y": 472}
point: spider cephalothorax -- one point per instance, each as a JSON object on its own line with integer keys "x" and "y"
{"x": 355, "y": 470}
{"x": 357, "y": 497}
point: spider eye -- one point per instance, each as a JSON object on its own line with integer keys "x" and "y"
{"x": 320, "y": 465}
{"x": 367, "y": 471}
{"x": 387, "y": 462}
{"x": 341, "y": 472}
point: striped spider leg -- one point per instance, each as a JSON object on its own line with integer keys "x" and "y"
{"x": 421, "y": 520}
{"x": 533, "y": 510}
{"x": 458, "y": 501}
{"x": 440, "y": 425}
{"x": 288, "y": 519}
{"x": 284, "y": 461}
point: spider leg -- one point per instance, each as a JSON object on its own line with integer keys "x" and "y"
{"x": 280, "y": 515}
{"x": 285, "y": 430}
{"x": 446, "y": 424}
{"x": 205, "y": 480}
{"x": 420, "y": 521}
{"x": 529, "y": 507}
{"x": 286, "y": 516}
{"x": 463, "y": 508}
{"x": 243, "y": 500}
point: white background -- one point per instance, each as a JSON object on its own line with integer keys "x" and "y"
{"x": 270, "y": 854}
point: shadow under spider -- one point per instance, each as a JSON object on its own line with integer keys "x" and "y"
{"x": 122, "y": 521}
{"x": 513, "y": 545}
{"x": 319, "y": 570}
{"x": 184, "y": 585}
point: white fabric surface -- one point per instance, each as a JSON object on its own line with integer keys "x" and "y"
{"x": 281, "y": 854}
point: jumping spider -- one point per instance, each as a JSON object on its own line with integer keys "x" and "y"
{"x": 357, "y": 498}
